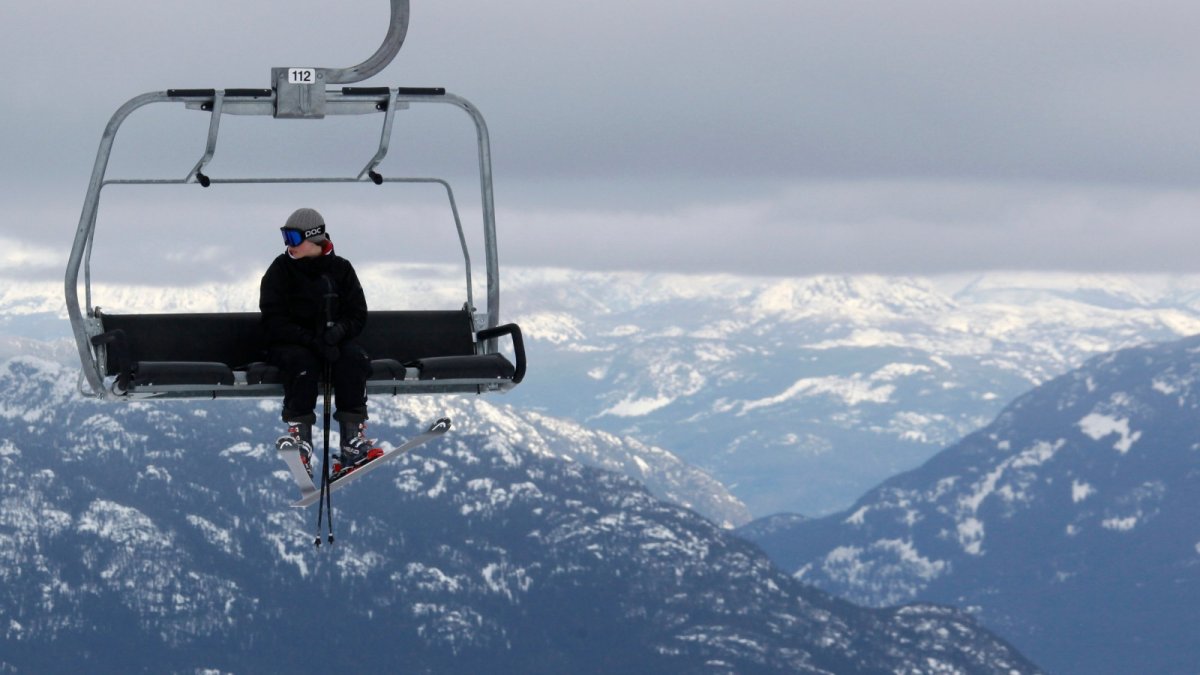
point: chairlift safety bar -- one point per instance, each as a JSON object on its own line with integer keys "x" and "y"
{"x": 347, "y": 101}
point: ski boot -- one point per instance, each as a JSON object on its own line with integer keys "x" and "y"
{"x": 355, "y": 447}
{"x": 298, "y": 437}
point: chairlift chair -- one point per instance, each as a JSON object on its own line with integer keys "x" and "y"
{"x": 127, "y": 357}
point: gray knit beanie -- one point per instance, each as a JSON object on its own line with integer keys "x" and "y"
{"x": 308, "y": 220}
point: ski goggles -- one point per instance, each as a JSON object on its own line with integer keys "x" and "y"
{"x": 293, "y": 236}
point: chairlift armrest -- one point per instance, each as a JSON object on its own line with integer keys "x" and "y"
{"x": 366, "y": 91}
{"x": 421, "y": 91}
{"x": 514, "y": 331}
{"x": 118, "y": 341}
{"x": 192, "y": 93}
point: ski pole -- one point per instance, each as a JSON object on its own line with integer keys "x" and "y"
{"x": 326, "y": 504}
{"x": 328, "y": 492}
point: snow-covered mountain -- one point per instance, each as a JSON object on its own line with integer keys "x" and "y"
{"x": 158, "y": 537}
{"x": 799, "y": 394}
{"x": 1068, "y": 525}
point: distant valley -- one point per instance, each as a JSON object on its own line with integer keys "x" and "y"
{"x": 797, "y": 394}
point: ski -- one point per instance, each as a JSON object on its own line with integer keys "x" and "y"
{"x": 290, "y": 452}
{"x": 310, "y": 493}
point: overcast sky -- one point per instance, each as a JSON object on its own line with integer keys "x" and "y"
{"x": 780, "y": 137}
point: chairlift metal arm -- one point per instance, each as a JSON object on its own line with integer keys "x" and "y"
{"x": 397, "y": 30}
{"x": 83, "y": 237}
{"x": 492, "y": 255}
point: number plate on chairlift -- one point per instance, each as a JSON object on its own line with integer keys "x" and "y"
{"x": 302, "y": 75}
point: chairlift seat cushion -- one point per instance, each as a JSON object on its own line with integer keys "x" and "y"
{"x": 475, "y": 367}
{"x": 386, "y": 369}
{"x": 261, "y": 372}
{"x": 232, "y": 339}
{"x": 182, "y": 372}
{"x": 205, "y": 350}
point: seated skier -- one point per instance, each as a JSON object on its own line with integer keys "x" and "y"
{"x": 313, "y": 307}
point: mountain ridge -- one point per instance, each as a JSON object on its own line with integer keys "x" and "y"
{"x": 157, "y": 536}
{"x": 1065, "y": 525}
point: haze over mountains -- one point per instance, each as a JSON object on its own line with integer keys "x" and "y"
{"x": 798, "y": 394}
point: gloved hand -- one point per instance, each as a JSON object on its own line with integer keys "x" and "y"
{"x": 334, "y": 334}
{"x": 330, "y": 353}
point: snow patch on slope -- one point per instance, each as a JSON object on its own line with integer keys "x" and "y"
{"x": 1097, "y": 426}
{"x": 638, "y": 407}
{"x": 851, "y": 390}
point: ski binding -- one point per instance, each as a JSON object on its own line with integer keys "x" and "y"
{"x": 310, "y": 492}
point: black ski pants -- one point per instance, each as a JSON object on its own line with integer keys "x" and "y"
{"x": 301, "y": 370}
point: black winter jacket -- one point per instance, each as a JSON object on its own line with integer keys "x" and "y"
{"x": 291, "y": 299}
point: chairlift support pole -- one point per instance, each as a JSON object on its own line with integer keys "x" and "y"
{"x": 300, "y": 92}
{"x": 286, "y": 99}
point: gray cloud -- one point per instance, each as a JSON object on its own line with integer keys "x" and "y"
{"x": 765, "y": 136}
{"x": 894, "y": 227}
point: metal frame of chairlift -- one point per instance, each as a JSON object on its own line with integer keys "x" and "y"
{"x": 296, "y": 93}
